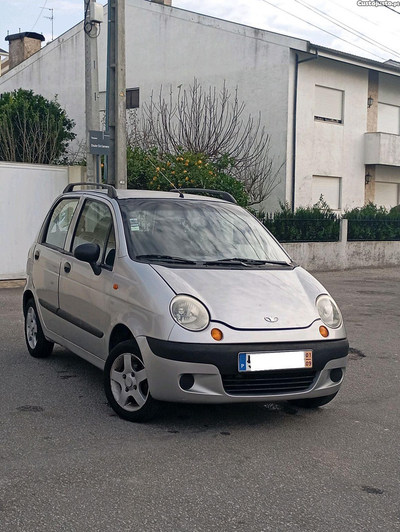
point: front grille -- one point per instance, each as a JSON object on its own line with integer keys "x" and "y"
{"x": 268, "y": 382}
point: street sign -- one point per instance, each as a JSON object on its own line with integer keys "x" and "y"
{"x": 99, "y": 142}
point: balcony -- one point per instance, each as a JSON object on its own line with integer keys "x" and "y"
{"x": 382, "y": 148}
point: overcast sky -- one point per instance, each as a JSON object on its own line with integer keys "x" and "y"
{"x": 374, "y": 32}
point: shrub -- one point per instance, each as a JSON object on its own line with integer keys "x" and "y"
{"x": 32, "y": 128}
{"x": 373, "y": 223}
{"x": 147, "y": 169}
{"x": 307, "y": 224}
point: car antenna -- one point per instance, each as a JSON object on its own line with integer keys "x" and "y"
{"x": 165, "y": 177}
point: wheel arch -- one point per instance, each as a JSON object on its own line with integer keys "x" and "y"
{"x": 121, "y": 333}
{"x": 28, "y": 294}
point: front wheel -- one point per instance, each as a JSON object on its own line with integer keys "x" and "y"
{"x": 126, "y": 385}
{"x": 313, "y": 402}
{"x": 36, "y": 342}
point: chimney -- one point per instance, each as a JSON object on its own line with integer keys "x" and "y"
{"x": 22, "y": 46}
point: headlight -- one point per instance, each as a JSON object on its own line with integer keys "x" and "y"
{"x": 329, "y": 312}
{"x": 189, "y": 313}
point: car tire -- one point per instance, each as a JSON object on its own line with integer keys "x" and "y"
{"x": 313, "y": 402}
{"x": 126, "y": 385}
{"x": 37, "y": 344}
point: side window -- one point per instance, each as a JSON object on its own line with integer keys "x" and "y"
{"x": 59, "y": 223}
{"x": 95, "y": 225}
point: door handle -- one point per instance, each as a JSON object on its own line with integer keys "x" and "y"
{"x": 37, "y": 254}
{"x": 67, "y": 267}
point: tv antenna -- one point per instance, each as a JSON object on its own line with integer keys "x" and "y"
{"x": 50, "y": 18}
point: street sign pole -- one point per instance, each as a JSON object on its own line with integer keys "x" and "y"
{"x": 116, "y": 94}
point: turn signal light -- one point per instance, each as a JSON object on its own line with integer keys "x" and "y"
{"x": 324, "y": 331}
{"x": 217, "y": 334}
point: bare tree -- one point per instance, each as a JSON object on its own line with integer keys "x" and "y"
{"x": 213, "y": 123}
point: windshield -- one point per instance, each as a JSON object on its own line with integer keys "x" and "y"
{"x": 192, "y": 232}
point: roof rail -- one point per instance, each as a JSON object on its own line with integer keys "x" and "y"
{"x": 219, "y": 193}
{"x": 111, "y": 192}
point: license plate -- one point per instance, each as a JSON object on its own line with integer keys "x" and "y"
{"x": 275, "y": 360}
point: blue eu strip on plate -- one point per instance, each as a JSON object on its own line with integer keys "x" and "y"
{"x": 242, "y": 362}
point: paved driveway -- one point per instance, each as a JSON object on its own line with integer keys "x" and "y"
{"x": 67, "y": 463}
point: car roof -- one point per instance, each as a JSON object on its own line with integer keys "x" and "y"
{"x": 142, "y": 194}
{"x": 156, "y": 194}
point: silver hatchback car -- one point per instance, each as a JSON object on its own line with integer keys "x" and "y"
{"x": 180, "y": 297}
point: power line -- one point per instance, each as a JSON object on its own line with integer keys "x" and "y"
{"x": 396, "y": 34}
{"x": 325, "y": 31}
{"x": 40, "y": 14}
{"x": 360, "y": 16}
{"x": 358, "y": 34}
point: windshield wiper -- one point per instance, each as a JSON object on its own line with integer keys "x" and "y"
{"x": 247, "y": 262}
{"x": 165, "y": 258}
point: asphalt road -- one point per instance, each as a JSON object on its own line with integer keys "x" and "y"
{"x": 67, "y": 463}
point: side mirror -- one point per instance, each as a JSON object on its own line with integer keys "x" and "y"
{"x": 89, "y": 253}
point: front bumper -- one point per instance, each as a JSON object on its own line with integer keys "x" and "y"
{"x": 214, "y": 368}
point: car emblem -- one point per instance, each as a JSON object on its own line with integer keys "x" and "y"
{"x": 271, "y": 319}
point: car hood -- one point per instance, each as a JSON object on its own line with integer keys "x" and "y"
{"x": 251, "y": 298}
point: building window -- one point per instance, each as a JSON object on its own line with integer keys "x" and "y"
{"x": 328, "y": 105}
{"x": 387, "y": 194}
{"x": 388, "y": 118}
{"x": 329, "y": 188}
{"x": 132, "y": 98}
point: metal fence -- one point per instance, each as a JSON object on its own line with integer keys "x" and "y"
{"x": 303, "y": 230}
{"x": 359, "y": 230}
{"x": 328, "y": 230}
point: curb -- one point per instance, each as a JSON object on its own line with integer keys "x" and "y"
{"x": 17, "y": 283}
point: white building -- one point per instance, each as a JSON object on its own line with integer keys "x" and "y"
{"x": 333, "y": 118}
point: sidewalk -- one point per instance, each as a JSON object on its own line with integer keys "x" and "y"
{"x": 16, "y": 283}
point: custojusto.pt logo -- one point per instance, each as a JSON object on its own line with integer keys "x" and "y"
{"x": 377, "y": 3}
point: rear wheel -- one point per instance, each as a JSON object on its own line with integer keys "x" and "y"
{"x": 126, "y": 385}
{"x": 36, "y": 342}
{"x": 313, "y": 402}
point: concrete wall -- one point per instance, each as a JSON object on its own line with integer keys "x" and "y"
{"x": 57, "y": 69}
{"x": 26, "y": 194}
{"x": 382, "y": 149}
{"x": 328, "y": 256}
{"x": 331, "y": 149}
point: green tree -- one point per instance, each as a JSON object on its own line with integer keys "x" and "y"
{"x": 148, "y": 169}
{"x": 32, "y": 128}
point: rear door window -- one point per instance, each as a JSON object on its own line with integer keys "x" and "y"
{"x": 60, "y": 221}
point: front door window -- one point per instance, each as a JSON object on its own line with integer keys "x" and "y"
{"x": 95, "y": 225}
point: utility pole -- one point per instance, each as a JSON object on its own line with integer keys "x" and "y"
{"x": 116, "y": 94}
{"x": 91, "y": 29}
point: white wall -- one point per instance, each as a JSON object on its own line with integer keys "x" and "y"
{"x": 26, "y": 194}
{"x": 329, "y": 256}
{"x": 57, "y": 69}
{"x": 331, "y": 149}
